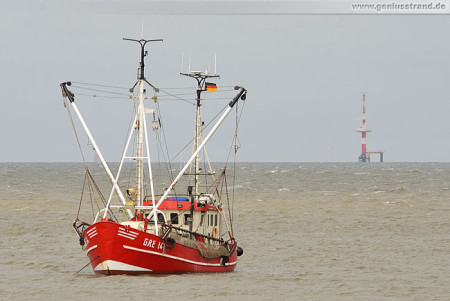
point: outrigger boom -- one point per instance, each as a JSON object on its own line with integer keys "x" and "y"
{"x": 66, "y": 92}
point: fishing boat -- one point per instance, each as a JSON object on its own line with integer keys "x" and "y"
{"x": 140, "y": 229}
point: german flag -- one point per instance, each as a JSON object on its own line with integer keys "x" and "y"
{"x": 210, "y": 87}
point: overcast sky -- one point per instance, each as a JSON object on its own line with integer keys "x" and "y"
{"x": 304, "y": 73}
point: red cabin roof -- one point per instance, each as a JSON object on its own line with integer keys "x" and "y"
{"x": 180, "y": 203}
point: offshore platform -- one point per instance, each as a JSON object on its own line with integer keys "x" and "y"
{"x": 365, "y": 155}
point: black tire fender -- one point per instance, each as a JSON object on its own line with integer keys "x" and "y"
{"x": 170, "y": 242}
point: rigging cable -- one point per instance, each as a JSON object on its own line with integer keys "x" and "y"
{"x": 179, "y": 98}
{"x": 238, "y": 120}
{"x": 104, "y": 91}
{"x": 133, "y": 113}
{"x": 74, "y": 131}
{"x": 166, "y": 150}
{"x": 102, "y": 96}
{"x": 100, "y": 85}
{"x": 189, "y": 88}
{"x": 205, "y": 126}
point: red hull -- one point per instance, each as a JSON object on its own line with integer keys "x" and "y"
{"x": 116, "y": 249}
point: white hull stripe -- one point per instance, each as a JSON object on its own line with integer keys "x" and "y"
{"x": 129, "y": 232}
{"x": 118, "y": 266}
{"x": 130, "y": 235}
{"x": 126, "y": 236}
{"x": 178, "y": 258}
{"x": 92, "y": 230}
{"x": 91, "y": 233}
{"x": 91, "y": 248}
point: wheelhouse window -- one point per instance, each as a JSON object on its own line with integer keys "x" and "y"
{"x": 174, "y": 218}
{"x": 160, "y": 218}
{"x": 187, "y": 218}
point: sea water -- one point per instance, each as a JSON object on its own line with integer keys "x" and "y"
{"x": 310, "y": 231}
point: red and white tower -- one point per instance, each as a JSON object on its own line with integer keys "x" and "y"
{"x": 364, "y": 157}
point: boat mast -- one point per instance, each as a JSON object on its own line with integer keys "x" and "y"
{"x": 200, "y": 78}
{"x": 140, "y": 127}
{"x": 140, "y": 144}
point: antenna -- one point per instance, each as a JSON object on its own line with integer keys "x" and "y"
{"x": 142, "y": 29}
{"x": 189, "y": 62}
{"x": 200, "y": 76}
{"x": 182, "y": 61}
{"x": 142, "y": 42}
{"x": 215, "y": 63}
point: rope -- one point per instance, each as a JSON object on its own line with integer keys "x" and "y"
{"x": 102, "y": 198}
{"x": 98, "y": 257}
{"x": 230, "y": 210}
{"x": 74, "y": 131}
{"x": 82, "y": 193}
